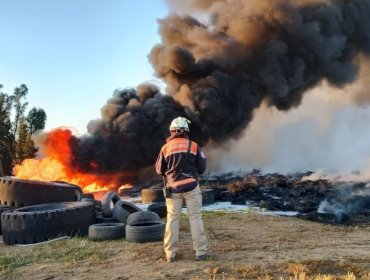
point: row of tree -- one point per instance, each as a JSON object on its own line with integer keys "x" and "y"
{"x": 17, "y": 128}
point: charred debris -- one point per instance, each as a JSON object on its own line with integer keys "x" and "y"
{"x": 322, "y": 200}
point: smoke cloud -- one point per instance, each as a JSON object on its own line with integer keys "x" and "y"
{"x": 220, "y": 66}
{"x": 328, "y": 133}
{"x": 350, "y": 200}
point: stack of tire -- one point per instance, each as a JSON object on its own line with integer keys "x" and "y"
{"x": 111, "y": 218}
{"x": 144, "y": 226}
{"x": 118, "y": 219}
{"x": 35, "y": 211}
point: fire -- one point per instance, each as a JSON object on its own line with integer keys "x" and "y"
{"x": 56, "y": 166}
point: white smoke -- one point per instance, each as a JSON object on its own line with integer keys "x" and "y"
{"x": 350, "y": 199}
{"x": 329, "y": 132}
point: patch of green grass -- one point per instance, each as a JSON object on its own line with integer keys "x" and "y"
{"x": 75, "y": 250}
{"x": 9, "y": 262}
{"x": 69, "y": 252}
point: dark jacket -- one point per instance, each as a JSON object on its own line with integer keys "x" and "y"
{"x": 171, "y": 158}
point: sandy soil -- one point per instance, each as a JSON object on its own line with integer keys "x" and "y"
{"x": 246, "y": 246}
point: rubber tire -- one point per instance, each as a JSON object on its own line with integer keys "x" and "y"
{"x": 159, "y": 208}
{"x": 87, "y": 199}
{"x": 208, "y": 197}
{"x": 41, "y": 222}
{"x": 106, "y": 231}
{"x": 146, "y": 232}
{"x": 79, "y": 192}
{"x": 143, "y": 216}
{"x": 19, "y": 193}
{"x": 3, "y": 209}
{"x": 123, "y": 209}
{"x": 152, "y": 195}
{"x": 103, "y": 220}
{"x": 108, "y": 202}
{"x": 88, "y": 195}
{"x": 97, "y": 205}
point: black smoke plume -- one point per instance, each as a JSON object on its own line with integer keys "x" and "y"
{"x": 220, "y": 68}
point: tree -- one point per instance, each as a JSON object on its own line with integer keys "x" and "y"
{"x": 25, "y": 147}
{"x": 7, "y": 141}
{"x": 36, "y": 120}
{"x": 16, "y": 130}
{"x": 19, "y": 105}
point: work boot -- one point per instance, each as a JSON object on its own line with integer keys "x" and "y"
{"x": 204, "y": 257}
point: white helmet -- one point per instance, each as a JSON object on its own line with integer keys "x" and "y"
{"x": 180, "y": 123}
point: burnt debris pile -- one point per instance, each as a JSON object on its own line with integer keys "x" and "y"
{"x": 273, "y": 191}
{"x": 321, "y": 200}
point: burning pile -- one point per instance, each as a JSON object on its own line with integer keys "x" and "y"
{"x": 56, "y": 165}
{"x": 217, "y": 70}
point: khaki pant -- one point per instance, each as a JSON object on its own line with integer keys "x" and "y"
{"x": 193, "y": 200}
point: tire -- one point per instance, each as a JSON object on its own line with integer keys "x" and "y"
{"x": 123, "y": 209}
{"x": 145, "y": 232}
{"x": 97, "y": 205}
{"x": 19, "y": 193}
{"x": 152, "y": 195}
{"x": 108, "y": 202}
{"x": 142, "y": 216}
{"x": 78, "y": 192}
{"x": 39, "y": 223}
{"x": 3, "y": 209}
{"x": 103, "y": 220}
{"x": 159, "y": 208}
{"x": 87, "y": 199}
{"x": 106, "y": 231}
{"x": 208, "y": 197}
{"x": 87, "y": 196}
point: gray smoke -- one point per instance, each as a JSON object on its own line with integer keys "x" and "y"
{"x": 220, "y": 66}
{"x": 350, "y": 200}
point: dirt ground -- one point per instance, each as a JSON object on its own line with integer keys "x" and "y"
{"x": 246, "y": 246}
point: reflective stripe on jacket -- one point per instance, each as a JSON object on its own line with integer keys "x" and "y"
{"x": 171, "y": 158}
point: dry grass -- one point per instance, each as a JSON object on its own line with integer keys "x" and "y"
{"x": 246, "y": 246}
{"x": 67, "y": 252}
{"x": 307, "y": 270}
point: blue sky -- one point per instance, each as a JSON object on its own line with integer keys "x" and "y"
{"x": 72, "y": 54}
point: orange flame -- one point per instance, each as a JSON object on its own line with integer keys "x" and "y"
{"x": 56, "y": 166}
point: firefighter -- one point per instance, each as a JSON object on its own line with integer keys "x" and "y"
{"x": 180, "y": 162}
